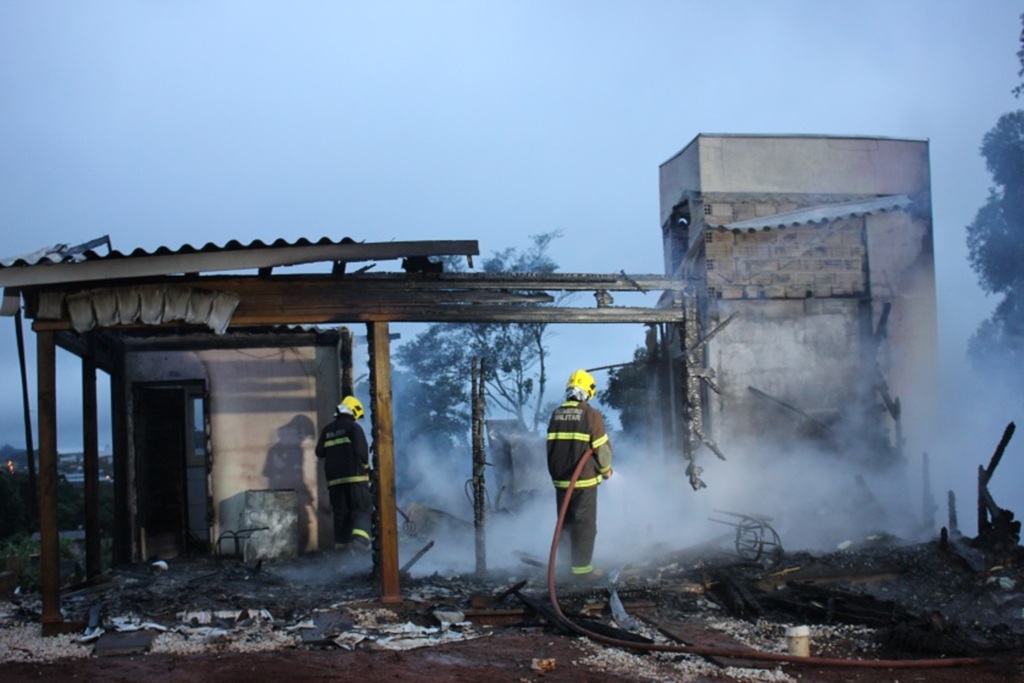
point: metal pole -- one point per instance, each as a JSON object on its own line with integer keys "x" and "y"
{"x": 30, "y": 456}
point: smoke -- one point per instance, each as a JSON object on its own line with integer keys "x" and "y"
{"x": 971, "y": 413}
{"x": 814, "y": 496}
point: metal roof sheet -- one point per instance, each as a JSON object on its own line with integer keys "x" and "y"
{"x": 60, "y": 263}
{"x": 820, "y": 214}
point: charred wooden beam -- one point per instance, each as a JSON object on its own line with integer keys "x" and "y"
{"x": 386, "y": 538}
{"x": 1000, "y": 449}
{"x": 954, "y": 524}
{"x": 179, "y": 338}
{"x": 988, "y": 512}
{"x": 829, "y": 605}
{"x": 479, "y": 460}
{"x": 693, "y": 406}
{"x": 390, "y": 282}
{"x": 928, "y": 506}
{"x": 404, "y": 571}
{"x": 817, "y": 426}
{"x": 453, "y": 313}
{"x": 345, "y": 342}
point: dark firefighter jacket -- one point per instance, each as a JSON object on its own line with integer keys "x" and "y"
{"x": 575, "y": 427}
{"x": 342, "y": 444}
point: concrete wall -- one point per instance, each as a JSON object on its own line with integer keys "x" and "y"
{"x": 265, "y": 410}
{"x": 766, "y": 164}
{"x": 902, "y": 273}
{"x": 787, "y": 264}
{"x": 808, "y": 353}
{"x": 808, "y": 297}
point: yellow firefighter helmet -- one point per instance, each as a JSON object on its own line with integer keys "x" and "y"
{"x": 351, "y": 404}
{"x": 583, "y": 380}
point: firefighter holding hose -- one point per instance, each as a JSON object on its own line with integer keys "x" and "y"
{"x": 574, "y": 431}
{"x": 343, "y": 448}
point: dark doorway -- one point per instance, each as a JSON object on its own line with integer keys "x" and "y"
{"x": 172, "y": 464}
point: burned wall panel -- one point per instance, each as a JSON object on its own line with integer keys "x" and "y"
{"x": 265, "y": 405}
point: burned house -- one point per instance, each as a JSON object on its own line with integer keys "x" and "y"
{"x": 810, "y": 264}
{"x": 222, "y": 370}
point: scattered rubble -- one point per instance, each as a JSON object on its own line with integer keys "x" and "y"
{"x": 876, "y": 599}
{"x": 873, "y": 598}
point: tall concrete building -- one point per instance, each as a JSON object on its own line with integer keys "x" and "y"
{"x": 811, "y": 264}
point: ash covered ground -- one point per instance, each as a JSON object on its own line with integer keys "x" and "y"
{"x": 877, "y": 599}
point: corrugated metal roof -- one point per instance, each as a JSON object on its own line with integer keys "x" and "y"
{"x": 819, "y": 214}
{"x": 60, "y": 263}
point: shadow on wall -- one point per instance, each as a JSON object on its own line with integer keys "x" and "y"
{"x": 285, "y": 469}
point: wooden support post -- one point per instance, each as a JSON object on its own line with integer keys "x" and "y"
{"x": 386, "y": 538}
{"x": 985, "y": 502}
{"x": 123, "y": 545}
{"x": 49, "y": 540}
{"x": 673, "y": 408}
{"x": 693, "y": 364}
{"x": 954, "y": 524}
{"x": 652, "y": 424}
{"x": 984, "y": 526}
{"x": 91, "y": 460}
{"x": 928, "y": 506}
{"x": 479, "y": 460}
{"x": 345, "y": 356}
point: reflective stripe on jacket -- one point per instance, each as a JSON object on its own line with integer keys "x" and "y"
{"x": 574, "y": 428}
{"x": 342, "y": 445}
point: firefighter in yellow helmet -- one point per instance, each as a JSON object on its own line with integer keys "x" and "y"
{"x": 343, "y": 448}
{"x": 576, "y": 427}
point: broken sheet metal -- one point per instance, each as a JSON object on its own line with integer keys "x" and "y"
{"x": 409, "y": 636}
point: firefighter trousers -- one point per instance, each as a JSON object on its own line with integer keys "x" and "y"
{"x": 580, "y": 525}
{"x": 351, "y": 505}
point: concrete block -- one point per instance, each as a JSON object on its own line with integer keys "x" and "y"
{"x": 732, "y": 292}
{"x": 802, "y": 279}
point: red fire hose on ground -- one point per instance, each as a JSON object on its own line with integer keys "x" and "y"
{"x": 718, "y": 652}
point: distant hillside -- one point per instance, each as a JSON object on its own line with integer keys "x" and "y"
{"x": 15, "y": 455}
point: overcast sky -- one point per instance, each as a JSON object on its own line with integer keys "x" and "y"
{"x": 171, "y": 123}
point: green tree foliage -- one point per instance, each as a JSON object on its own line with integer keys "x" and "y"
{"x": 627, "y": 392}
{"x": 14, "y": 503}
{"x": 995, "y": 240}
{"x": 437, "y": 362}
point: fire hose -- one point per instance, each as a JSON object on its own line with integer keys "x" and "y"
{"x": 722, "y": 652}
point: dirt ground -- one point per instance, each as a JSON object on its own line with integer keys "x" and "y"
{"x": 496, "y": 659}
{"x": 317, "y": 618}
